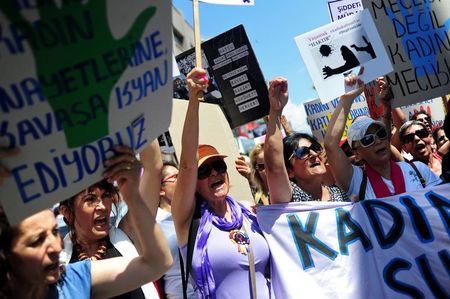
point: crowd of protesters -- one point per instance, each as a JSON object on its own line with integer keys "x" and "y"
{"x": 208, "y": 231}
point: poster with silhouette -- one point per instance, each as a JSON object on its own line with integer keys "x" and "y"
{"x": 77, "y": 78}
{"x": 234, "y": 71}
{"x": 416, "y": 34}
{"x": 338, "y": 49}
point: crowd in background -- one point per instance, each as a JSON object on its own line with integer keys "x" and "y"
{"x": 208, "y": 244}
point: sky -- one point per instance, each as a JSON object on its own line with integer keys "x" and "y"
{"x": 271, "y": 27}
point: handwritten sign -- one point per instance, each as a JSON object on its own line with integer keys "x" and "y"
{"x": 416, "y": 36}
{"x": 318, "y": 115}
{"x": 76, "y": 80}
{"x": 396, "y": 247}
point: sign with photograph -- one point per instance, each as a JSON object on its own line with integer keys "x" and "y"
{"x": 338, "y": 49}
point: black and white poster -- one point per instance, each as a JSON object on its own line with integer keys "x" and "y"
{"x": 234, "y": 76}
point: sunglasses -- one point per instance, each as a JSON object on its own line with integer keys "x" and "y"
{"x": 260, "y": 166}
{"x": 370, "y": 139}
{"x": 304, "y": 152}
{"x": 442, "y": 138}
{"x": 205, "y": 170}
{"x": 422, "y": 133}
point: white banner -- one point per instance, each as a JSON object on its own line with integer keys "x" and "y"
{"x": 77, "y": 79}
{"x": 397, "y": 247}
{"x": 229, "y": 2}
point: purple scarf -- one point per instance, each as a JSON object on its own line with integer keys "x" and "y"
{"x": 204, "y": 278}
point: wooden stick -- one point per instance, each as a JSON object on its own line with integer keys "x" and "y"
{"x": 198, "y": 47}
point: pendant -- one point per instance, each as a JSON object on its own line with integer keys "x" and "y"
{"x": 241, "y": 239}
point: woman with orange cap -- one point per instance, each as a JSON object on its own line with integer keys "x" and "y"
{"x": 228, "y": 236}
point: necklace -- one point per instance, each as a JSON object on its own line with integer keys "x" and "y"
{"x": 241, "y": 239}
{"x": 98, "y": 255}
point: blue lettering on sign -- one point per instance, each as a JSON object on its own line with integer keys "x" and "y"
{"x": 392, "y": 278}
{"x": 423, "y": 37}
{"x": 88, "y": 159}
{"x": 304, "y": 238}
{"x": 389, "y": 238}
{"x": 344, "y": 223}
{"x": 420, "y": 222}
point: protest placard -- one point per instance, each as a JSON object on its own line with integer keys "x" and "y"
{"x": 434, "y": 107}
{"x": 396, "y": 247}
{"x": 340, "y": 9}
{"x": 318, "y": 115}
{"x": 338, "y": 49}
{"x": 77, "y": 79}
{"x": 234, "y": 70}
{"x": 416, "y": 36}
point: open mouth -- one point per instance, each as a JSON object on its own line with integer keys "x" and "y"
{"x": 217, "y": 184}
{"x": 52, "y": 267}
{"x": 419, "y": 147}
{"x": 315, "y": 164}
{"x": 100, "y": 221}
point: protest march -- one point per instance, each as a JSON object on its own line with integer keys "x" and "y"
{"x": 224, "y": 149}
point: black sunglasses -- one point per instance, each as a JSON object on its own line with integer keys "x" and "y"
{"x": 205, "y": 170}
{"x": 422, "y": 133}
{"x": 260, "y": 166}
{"x": 304, "y": 152}
{"x": 369, "y": 139}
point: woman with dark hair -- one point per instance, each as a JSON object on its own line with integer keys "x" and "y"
{"x": 295, "y": 166}
{"x": 29, "y": 251}
{"x": 228, "y": 235}
{"x": 87, "y": 215}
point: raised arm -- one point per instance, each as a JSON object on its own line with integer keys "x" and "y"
{"x": 340, "y": 165}
{"x": 277, "y": 177}
{"x": 111, "y": 277}
{"x": 183, "y": 202}
{"x": 149, "y": 186}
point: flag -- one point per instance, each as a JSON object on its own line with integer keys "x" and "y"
{"x": 230, "y": 2}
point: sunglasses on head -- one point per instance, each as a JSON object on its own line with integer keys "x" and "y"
{"x": 260, "y": 166}
{"x": 304, "y": 152}
{"x": 205, "y": 170}
{"x": 370, "y": 139}
{"x": 422, "y": 133}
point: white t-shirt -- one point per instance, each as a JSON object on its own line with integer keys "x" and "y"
{"x": 412, "y": 181}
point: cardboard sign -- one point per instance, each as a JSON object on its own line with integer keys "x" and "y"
{"x": 338, "y": 49}
{"x": 416, "y": 36}
{"x": 340, "y": 9}
{"x": 319, "y": 115}
{"x": 76, "y": 80}
{"x": 434, "y": 107}
{"x": 233, "y": 69}
{"x": 396, "y": 247}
